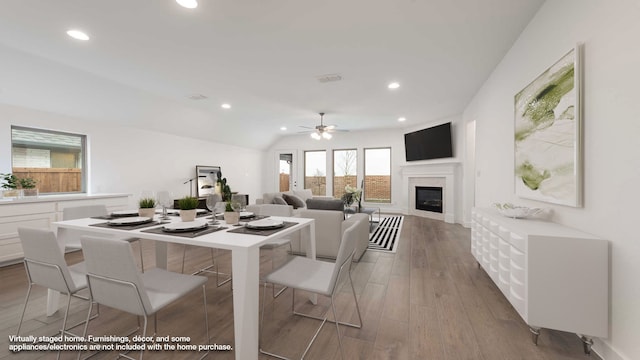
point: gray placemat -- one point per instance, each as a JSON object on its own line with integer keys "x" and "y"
{"x": 129, "y": 227}
{"x": 187, "y": 234}
{"x": 266, "y": 232}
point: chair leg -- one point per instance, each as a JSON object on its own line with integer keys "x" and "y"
{"x": 141, "y": 257}
{"x": 24, "y": 308}
{"x": 335, "y": 316}
{"x": 273, "y": 287}
{"x": 261, "y": 331}
{"x": 213, "y": 265}
{"x": 206, "y": 319}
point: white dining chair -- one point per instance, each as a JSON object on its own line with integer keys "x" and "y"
{"x": 45, "y": 266}
{"x": 71, "y": 238}
{"x": 318, "y": 277}
{"x": 275, "y": 244}
{"x": 114, "y": 281}
{"x": 213, "y": 268}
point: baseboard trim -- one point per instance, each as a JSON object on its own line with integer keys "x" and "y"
{"x": 605, "y": 351}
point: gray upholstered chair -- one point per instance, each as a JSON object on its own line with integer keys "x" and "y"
{"x": 45, "y": 266}
{"x": 318, "y": 277}
{"x": 114, "y": 281}
{"x": 71, "y": 238}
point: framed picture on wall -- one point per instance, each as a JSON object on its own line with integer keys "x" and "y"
{"x": 548, "y": 127}
{"x": 206, "y": 179}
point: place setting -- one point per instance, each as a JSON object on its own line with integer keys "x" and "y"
{"x": 189, "y": 229}
{"x": 130, "y": 223}
{"x": 264, "y": 226}
{"x": 118, "y": 214}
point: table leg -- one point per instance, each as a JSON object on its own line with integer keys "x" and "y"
{"x": 161, "y": 254}
{"x": 310, "y": 237}
{"x": 245, "y": 265}
{"x": 53, "y": 298}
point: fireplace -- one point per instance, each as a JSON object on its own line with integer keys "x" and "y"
{"x": 429, "y": 198}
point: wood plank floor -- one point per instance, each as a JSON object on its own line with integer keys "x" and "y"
{"x": 427, "y": 301}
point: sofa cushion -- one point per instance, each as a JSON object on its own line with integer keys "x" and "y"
{"x": 322, "y": 204}
{"x": 293, "y": 200}
{"x": 267, "y": 198}
{"x": 278, "y": 200}
{"x": 304, "y": 194}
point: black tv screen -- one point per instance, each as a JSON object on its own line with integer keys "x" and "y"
{"x": 429, "y": 143}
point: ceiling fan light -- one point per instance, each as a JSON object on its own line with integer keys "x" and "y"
{"x": 315, "y": 135}
{"x": 326, "y": 135}
{"x": 189, "y": 4}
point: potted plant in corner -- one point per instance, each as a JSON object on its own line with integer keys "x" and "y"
{"x": 188, "y": 205}
{"x": 10, "y": 186}
{"x": 231, "y": 216}
{"x": 147, "y": 207}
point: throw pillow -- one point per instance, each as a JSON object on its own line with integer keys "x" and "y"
{"x": 325, "y": 204}
{"x": 293, "y": 200}
{"x": 279, "y": 201}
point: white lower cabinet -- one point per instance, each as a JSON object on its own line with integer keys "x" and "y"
{"x": 41, "y": 213}
{"x": 555, "y": 277}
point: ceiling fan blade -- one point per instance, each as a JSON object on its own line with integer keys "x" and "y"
{"x": 306, "y": 127}
{"x": 330, "y": 127}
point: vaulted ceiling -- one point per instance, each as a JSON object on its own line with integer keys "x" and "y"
{"x": 145, "y": 59}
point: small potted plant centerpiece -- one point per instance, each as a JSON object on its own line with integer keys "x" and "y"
{"x": 147, "y": 207}
{"x": 188, "y": 205}
{"x": 231, "y": 216}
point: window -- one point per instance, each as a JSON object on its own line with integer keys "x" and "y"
{"x": 315, "y": 172}
{"x": 55, "y": 160}
{"x": 377, "y": 175}
{"x": 344, "y": 170}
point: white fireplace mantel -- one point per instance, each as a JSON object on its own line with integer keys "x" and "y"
{"x": 442, "y": 174}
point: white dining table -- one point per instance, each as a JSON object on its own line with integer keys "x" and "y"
{"x": 245, "y": 263}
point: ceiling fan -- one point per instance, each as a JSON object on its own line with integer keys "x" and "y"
{"x": 321, "y": 131}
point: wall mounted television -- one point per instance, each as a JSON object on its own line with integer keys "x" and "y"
{"x": 429, "y": 143}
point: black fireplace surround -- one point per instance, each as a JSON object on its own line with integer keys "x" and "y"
{"x": 429, "y": 198}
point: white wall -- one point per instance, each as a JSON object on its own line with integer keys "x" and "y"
{"x": 609, "y": 30}
{"x": 393, "y": 138}
{"x": 127, "y": 160}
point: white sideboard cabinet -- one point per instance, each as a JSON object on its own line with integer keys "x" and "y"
{"x": 555, "y": 277}
{"x": 41, "y": 212}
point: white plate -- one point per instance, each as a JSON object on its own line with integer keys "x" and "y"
{"x": 185, "y": 226}
{"x": 130, "y": 221}
{"x": 265, "y": 224}
{"x": 245, "y": 214}
{"x": 123, "y": 213}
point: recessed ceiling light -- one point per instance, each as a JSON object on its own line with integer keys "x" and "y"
{"x": 78, "y": 35}
{"x": 401, "y": 119}
{"x": 225, "y": 106}
{"x": 393, "y": 85}
{"x": 284, "y": 128}
{"x": 189, "y": 4}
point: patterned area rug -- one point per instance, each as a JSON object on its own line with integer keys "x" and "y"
{"x": 386, "y": 235}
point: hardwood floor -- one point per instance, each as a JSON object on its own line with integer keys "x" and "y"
{"x": 427, "y": 301}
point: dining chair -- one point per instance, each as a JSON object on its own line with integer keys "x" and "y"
{"x": 212, "y": 252}
{"x": 273, "y": 245}
{"x": 72, "y": 237}
{"x": 45, "y": 266}
{"x": 114, "y": 281}
{"x": 318, "y": 277}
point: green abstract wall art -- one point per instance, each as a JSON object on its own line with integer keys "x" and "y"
{"x": 548, "y": 164}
